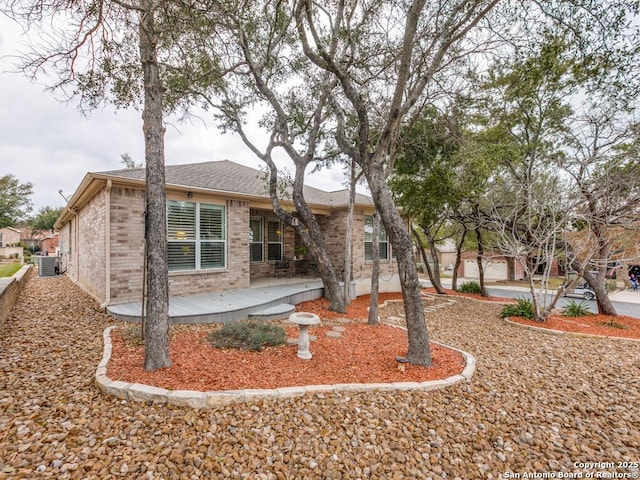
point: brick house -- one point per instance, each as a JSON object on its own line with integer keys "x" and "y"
{"x": 9, "y": 237}
{"x": 222, "y": 232}
{"x": 10, "y": 247}
{"x": 49, "y": 244}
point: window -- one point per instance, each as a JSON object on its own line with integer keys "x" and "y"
{"x": 383, "y": 241}
{"x": 274, "y": 240}
{"x": 256, "y": 239}
{"x": 196, "y": 235}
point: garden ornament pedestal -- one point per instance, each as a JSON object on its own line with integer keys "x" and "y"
{"x": 304, "y": 320}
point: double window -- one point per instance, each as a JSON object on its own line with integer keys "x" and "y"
{"x": 196, "y": 236}
{"x": 383, "y": 241}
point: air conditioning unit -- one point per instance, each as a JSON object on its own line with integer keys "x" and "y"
{"x": 47, "y": 266}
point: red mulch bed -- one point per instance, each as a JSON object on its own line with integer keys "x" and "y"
{"x": 364, "y": 354}
{"x": 591, "y": 324}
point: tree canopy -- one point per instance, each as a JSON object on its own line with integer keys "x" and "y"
{"x": 45, "y": 218}
{"x": 15, "y": 200}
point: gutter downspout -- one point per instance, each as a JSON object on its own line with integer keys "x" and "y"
{"x": 77, "y": 239}
{"x": 107, "y": 246}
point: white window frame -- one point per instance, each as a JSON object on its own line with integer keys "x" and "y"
{"x": 197, "y": 241}
{"x": 383, "y": 240}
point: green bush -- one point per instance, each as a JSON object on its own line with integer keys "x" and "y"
{"x": 470, "y": 287}
{"x": 575, "y": 309}
{"x": 248, "y": 335}
{"x": 523, "y": 308}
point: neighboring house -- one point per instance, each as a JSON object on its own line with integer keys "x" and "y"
{"x": 222, "y": 232}
{"x": 29, "y": 239}
{"x": 496, "y": 266}
{"x": 10, "y": 247}
{"x": 9, "y": 237}
{"x": 49, "y": 245}
{"x": 447, "y": 254}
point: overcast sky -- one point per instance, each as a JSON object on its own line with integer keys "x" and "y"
{"x": 52, "y": 145}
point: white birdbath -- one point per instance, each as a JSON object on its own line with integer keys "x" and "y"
{"x": 304, "y": 320}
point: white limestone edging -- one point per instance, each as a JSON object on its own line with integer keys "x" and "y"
{"x": 212, "y": 399}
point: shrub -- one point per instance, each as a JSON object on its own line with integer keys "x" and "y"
{"x": 248, "y": 335}
{"x": 470, "y": 287}
{"x": 613, "y": 324}
{"x": 575, "y": 309}
{"x": 523, "y": 308}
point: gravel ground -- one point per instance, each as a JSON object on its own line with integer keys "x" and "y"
{"x": 538, "y": 404}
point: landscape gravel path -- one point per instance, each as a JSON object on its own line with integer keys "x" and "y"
{"x": 538, "y": 404}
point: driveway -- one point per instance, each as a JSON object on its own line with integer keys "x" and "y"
{"x": 537, "y": 404}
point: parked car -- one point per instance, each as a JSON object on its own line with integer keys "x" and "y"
{"x": 582, "y": 290}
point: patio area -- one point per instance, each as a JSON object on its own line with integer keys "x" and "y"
{"x": 267, "y": 298}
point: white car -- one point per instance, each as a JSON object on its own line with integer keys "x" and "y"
{"x": 580, "y": 291}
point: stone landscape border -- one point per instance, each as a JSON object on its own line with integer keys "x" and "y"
{"x": 194, "y": 399}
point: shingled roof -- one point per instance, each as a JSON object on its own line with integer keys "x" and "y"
{"x": 228, "y": 176}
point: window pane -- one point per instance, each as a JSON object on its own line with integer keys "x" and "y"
{"x": 368, "y": 228}
{"x": 274, "y": 232}
{"x": 182, "y": 255}
{"x": 368, "y": 240}
{"x": 384, "y": 250}
{"x": 212, "y": 255}
{"x": 256, "y": 237}
{"x": 368, "y": 251}
{"x": 255, "y": 230}
{"x": 274, "y": 251}
{"x": 256, "y": 252}
{"x": 211, "y": 222}
{"x": 181, "y": 220}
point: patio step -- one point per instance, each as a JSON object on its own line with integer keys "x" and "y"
{"x": 277, "y": 312}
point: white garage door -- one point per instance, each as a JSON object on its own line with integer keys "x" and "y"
{"x": 493, "y": 269}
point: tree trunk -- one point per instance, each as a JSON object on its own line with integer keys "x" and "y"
{"x": 309, "y": 231}
{"x": 349, "y": 236}
{"x": 605, "y": 307}
{"x": 419, "y": 351}
{"x": 313, "y": 238}
{"x": 375, "y": 270}
{"x": 479, "y": 256}
{"x": 454, "y": 281}
{"x": 553, "y": 303}
{"x": 156, "y": 341}
{"x": 538, "y": 316}
{"x": 435, "y": 271}
{"x": 435, "y": 282}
